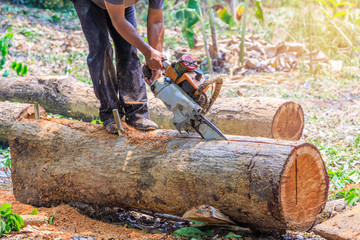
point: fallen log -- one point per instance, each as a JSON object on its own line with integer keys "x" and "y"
{"x": 59, "y": 95}
{"x": 255, "y": 117}
{"x": 260, "y": 183}
{"x": 10, "y": 112}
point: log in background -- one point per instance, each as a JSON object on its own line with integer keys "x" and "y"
{"x": 256, "y": 117}
{"x": 265, "y": 184}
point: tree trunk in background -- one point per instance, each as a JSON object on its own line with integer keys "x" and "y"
{"x": 10, "y": 112}
{"x": 58, "y": 95}
{"x": 265, "y": 184}
{"x": 254, "y": 117}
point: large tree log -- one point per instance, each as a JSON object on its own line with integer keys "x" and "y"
{"x": 261, "y": 183}
{"x": 10, "y": 112}
{"x": 58, "y": 95}
{"x": 256, "y": 117}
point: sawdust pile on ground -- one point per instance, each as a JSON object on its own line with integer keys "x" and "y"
{"x": 68, "y": 222}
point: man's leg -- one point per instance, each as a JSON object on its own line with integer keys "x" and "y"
{"x": 132, "y": 86}
{"x": 94, "y": 24}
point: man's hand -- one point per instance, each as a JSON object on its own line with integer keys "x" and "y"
{"x": 155, "y": 74}
{"x": 154, "y": 59}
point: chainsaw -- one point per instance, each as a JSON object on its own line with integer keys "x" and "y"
{"x": 183, "y": 91}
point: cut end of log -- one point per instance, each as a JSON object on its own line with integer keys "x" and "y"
{"x": 288, "y": 122}
{"x": 304, "y": 187}
{"x": 29, "y": 113}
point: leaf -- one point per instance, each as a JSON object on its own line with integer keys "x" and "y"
{"x": 34, "y": 212}
{"x": 340, "y": 14}
{"x": 190, "y": 232}
{"x": 16, "y": 224}
{"x": 5, "y": 206}
{"x": 325, "y": 3}
{"x": 24, "y": 70}
{"x": 226, "y": 17}
{"x": 259, "y": 12}
{"x": 18, "y": 68}
{"x": 6, "y": 73}
{"x": 51, "y": 220}
{"x": 4, "y": 51}
{"x": 352, "y": 200}
{"x": 13, "y": 65}
{"x": 233, "y": 235}
{"x": 2, "y": 227}
{"x": 344, "y": 4}
{"x": 240, "y": 10}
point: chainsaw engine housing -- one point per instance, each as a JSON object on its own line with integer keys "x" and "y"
{"x": 186, "y": 75}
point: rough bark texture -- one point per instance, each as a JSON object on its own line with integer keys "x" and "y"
{"x": 58, "y": 95}
{"x": 10, "y": 112}
{"x": 255, "y": 117}
{"x": 251, "y": 180}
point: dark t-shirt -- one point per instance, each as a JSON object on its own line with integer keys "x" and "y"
{"x": 154, "y": 4}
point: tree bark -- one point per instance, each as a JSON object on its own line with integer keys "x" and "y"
{"x": 260, "y": 183}
{"x": 254, "y": 117}
{"x": 58, "y": 95}
{"x": 10, "y": 112}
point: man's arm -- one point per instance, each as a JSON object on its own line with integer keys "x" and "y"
{"x": 117, "y": 14}
{"x": 155, "y": 33}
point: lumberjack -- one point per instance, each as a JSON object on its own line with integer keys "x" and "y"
{"x": 121, "y": 87}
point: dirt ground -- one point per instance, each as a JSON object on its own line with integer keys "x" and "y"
{"x": 69, "y": 224}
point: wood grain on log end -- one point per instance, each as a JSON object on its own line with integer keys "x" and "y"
{"x": 10, "y": 112}
{"x": 304, "y": 187}
{"x": 288, "y": 122}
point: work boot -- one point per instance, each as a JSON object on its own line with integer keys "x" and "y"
{"x": 110, "y": 126}
{"x": 143, "y": 124}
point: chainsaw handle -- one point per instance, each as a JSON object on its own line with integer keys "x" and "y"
{"x": 147, "y": 71}
{"x": 218, "y": 80}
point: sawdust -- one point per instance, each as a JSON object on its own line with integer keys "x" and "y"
{"x": 68, "y": 222}
{"x": 148, "y": 140}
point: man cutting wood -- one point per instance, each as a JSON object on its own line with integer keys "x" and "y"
{"x": 122, "y": 86}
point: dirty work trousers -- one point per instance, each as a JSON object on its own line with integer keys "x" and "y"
{"x": 121, "y": 87}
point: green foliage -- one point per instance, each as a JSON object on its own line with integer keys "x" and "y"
{"x": 259, "y": 12}
{"x": 49, "y": 4}
{"x": 226, "y": 17}
{"x": 4, "y": 47}
{"x": 233, "y": 235}
{"x": 20, "y": 68}
{"x": 34, "y": 212}
{"x": 51, "y": 220}
{"x": 351, "y": 196}
{"x": 190, "y": 16}
{"x": 191, "y": 232}
{"x": 5, "y": 159}
{"x": 8, "y": 220}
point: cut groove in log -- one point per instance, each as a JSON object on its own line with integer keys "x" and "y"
{"x": 255, "y": 117}
{"x": 10, "y": 112}
{"x": 251, "y": 180}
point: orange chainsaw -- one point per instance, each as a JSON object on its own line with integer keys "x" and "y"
{"x": 183, "y": 91}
